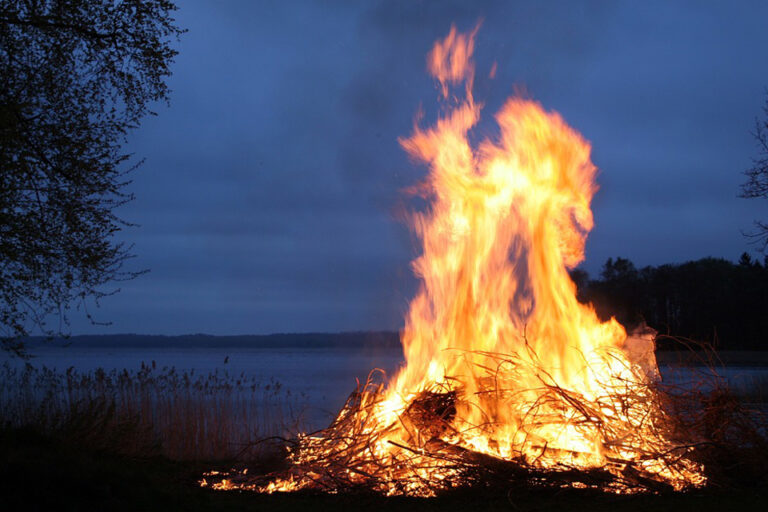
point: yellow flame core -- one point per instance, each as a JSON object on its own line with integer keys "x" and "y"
{"x": 532, "y": 374}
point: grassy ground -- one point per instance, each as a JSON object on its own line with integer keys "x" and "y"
{"x": 43, "y": 473}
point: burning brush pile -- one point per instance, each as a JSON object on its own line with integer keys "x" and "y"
{"x": 508, "y": 378}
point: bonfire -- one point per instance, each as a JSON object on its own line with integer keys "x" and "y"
{"x": 507, "y": 377}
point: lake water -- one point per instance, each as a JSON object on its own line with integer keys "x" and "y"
{"x": 323, "y": 376}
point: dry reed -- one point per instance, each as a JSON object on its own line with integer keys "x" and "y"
{"x": 180, "y": 415}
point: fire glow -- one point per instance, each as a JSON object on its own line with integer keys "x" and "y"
{"x": 507, "y": 375}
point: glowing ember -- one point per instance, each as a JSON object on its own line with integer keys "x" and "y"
{"x": 507, "y": 375}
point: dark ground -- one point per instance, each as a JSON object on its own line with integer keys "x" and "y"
{"x": 40, "y": 473}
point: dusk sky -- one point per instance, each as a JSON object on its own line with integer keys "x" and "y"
{"x": 268, "y": 200}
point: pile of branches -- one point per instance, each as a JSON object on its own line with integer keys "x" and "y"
{"x": 704, "y": 427}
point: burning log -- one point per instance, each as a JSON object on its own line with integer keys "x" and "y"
{"x": 431, "y": 413}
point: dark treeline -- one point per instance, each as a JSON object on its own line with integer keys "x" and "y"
{"x": 713, "y": 301}
{"x": 359, "y": 340}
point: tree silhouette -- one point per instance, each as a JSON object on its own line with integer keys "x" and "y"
{"x": 756, "y": 185}
{"x": 75, "y": 77}
{"x": 710, "y": 300}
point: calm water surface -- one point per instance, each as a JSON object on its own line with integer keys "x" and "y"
{"x": 324, "y": 376}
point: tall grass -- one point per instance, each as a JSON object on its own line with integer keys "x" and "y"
{"x": 181, "y": 415}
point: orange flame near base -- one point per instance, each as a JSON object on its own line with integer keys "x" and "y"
{"x": 535, "y": 376}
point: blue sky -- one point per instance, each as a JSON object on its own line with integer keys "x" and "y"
{"x": 269, "y": 197}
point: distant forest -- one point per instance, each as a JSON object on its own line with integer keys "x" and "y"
{"x": 713, "y": 301}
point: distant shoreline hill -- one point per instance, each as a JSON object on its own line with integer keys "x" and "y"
{"x": 354, "y": 341}
{"x": 373, "y": 339}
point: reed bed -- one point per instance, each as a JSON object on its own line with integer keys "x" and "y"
{"x": 182, "y": 415}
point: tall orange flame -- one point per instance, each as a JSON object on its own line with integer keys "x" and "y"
{"x": 505, "y": 223}
{"x": 501, "y": 358}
